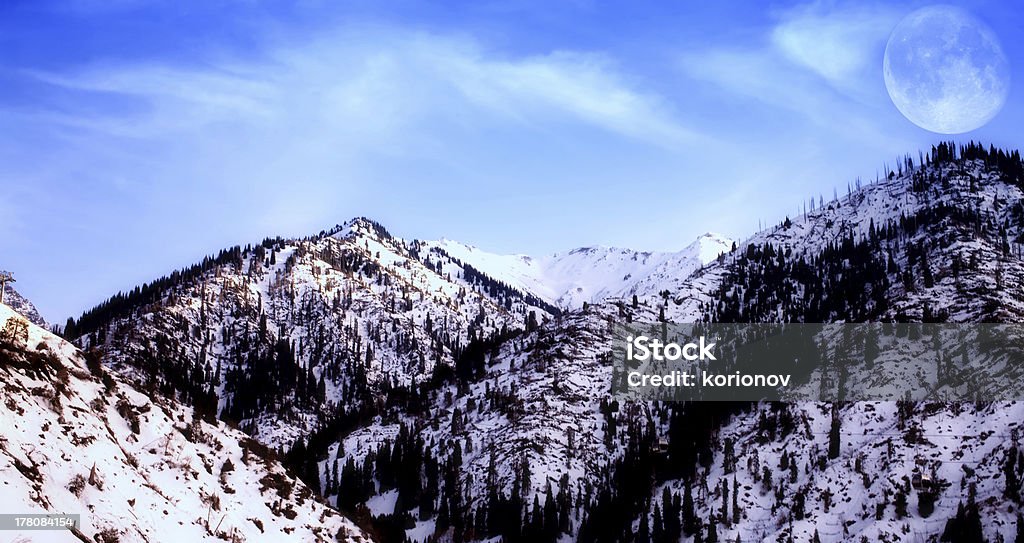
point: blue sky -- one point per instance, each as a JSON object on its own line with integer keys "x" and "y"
{"x": 141, "y": 135}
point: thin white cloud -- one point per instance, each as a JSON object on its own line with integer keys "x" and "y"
{"x": 756, "y": 74}
{"x": 165, "y": 159}
{"x": 815, "y": 56}
{"x": 379, "y": 86}
{"x": 763, "y": 77}
{"x": 841, "y": 44}
{"x": 171, "y": 99}
{"x": 586, "y": 87}
{"x": 820, "y": 62}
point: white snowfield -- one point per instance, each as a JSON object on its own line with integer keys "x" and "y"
{"x": 136, "y": 468}
{"x": 591, "y": 274}
{"x": 967, "y": 444}
{"x": 424, "y": 292}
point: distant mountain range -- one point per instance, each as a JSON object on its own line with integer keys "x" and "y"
{"x": 591, "y": 274}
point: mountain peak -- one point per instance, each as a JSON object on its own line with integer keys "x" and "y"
{"x": 589, "y": 274}
{"x": 22, "y": 305}
{"x": 709, "y": 245}
{"x": 356, "y": 227}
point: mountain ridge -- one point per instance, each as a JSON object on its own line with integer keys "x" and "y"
{"x": 497, "y": 398}
{"x": 590, "y": 274}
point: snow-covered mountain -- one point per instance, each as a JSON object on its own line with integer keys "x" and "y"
{"x": 771, "y": 468}
{"x": 135, "y": 466}
{"x": 352, "y": 310}
{"x": 22, "y": 305}
{"x": 939, "y": 242}
{"x": 438, "y": 391}
{"x": 288, "y": 335}
{"x": 590, "y": 274}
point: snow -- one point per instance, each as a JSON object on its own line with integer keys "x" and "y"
{"x": 24, "y": 306}
{"x": 383, "y": 504}
{"x": 889, "y": 200}
{"x": 571, "y": 350}
{"x": 589, "y": 274}
{"x": 538, "y": 432}
{"x": 69, "y": 447}
{"x": 422, "y": 531}
{"x": 231, "y": 299}
{"x": 955, "y": 437}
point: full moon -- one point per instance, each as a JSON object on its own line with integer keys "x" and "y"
{"x": 945, "y": 70}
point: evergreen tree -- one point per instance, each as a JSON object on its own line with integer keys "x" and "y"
{"x": 735, "y": 502}
{"x": 834, "y": 436}
{"x": 725, "y": 501}
{"x": 643, "y": 532}
{"x": 690, "y": 523}
{"x": 900, "y": 502}
{"x": 965, "y": 527}
{"x": 658, "y": 526}
{"x": 1011, "y": 480}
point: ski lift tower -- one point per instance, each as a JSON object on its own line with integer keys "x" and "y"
{"x": 5, "y": 277}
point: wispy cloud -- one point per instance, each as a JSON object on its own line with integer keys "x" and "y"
{"x": 375, "y": 84}
{"x": 820, "y": 62}
{"x": 841, "y": 44}
{"x": 584, "y": 86}
{"x": 758, "y": 75}
{"x": 171, "y": 157}
{"x": 171, "y": 98}
{"x": 329, "y": 117}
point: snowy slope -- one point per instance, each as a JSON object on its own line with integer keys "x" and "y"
{"x": 358, "y": 308}
{"x": 136, "y": 467}
{"x": 536, "y": 407}
{"x": 23, "y": 305}
{"x": 590, "y": 274}
{"x": 988, "y": 265}
{"x": 966, "y": 445}
{"x": 430, "y": 351}
{"x": 852, "y": 497}
{"x": 948, "y": 238}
